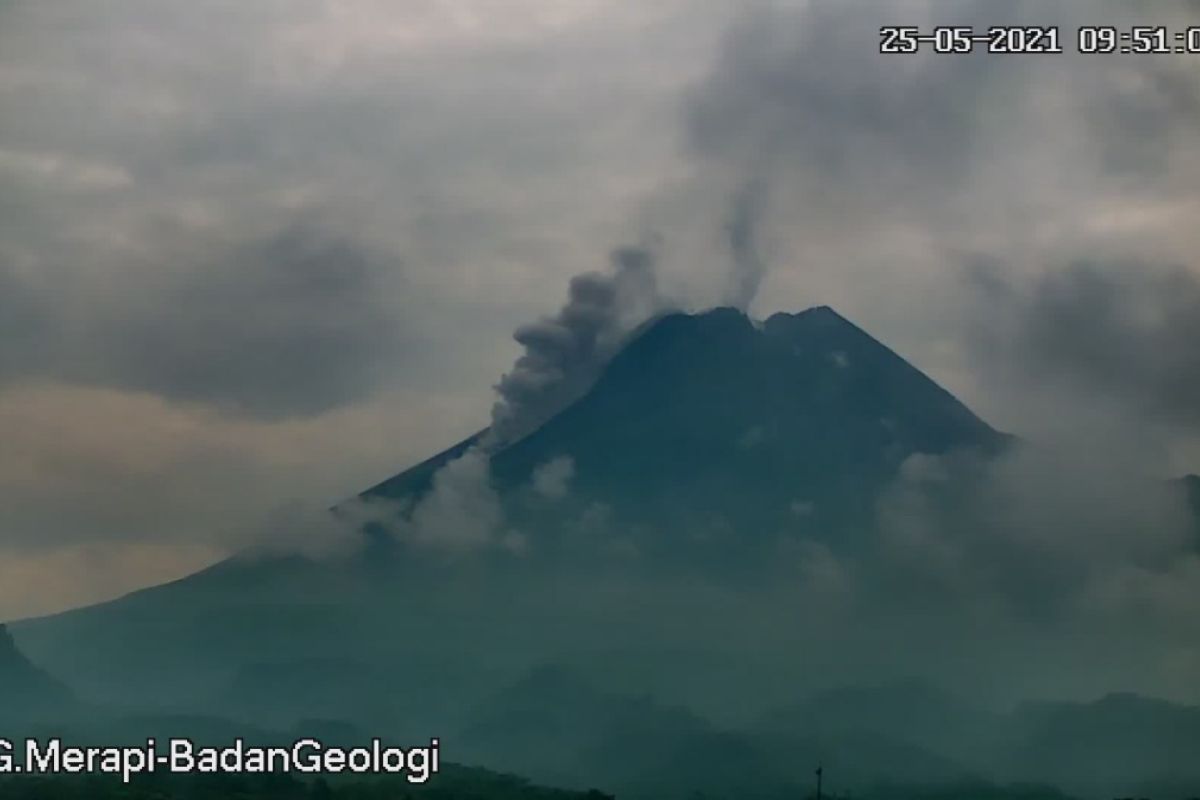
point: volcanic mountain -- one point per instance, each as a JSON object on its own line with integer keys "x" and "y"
{"x": 713, "y": 424}
{"x": 703, "y": 439}
{"x": 652, "y": 540}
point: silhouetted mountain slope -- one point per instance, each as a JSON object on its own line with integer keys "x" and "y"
{"x": 416, "y": 480}
{"x": 27, "y": 692}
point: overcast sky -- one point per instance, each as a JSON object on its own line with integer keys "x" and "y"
{"x": 254, "y": 254}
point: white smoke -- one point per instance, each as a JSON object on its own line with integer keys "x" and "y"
{"x": 551, "y": 480}
{"x": 462, "y": 510}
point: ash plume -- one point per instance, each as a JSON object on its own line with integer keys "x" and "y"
{"x": 564, "y": 353}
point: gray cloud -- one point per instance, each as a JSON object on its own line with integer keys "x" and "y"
{"x": 1149, "y": 113}
{"x": 1124, "y": 332}
{"x": 293, "y": 324}
{"x": 1028, "y": 552}
{"x": 809, "y": 89}
{"x": 23, "y": 327}
{"x": 289, "y": 324}
{"x": 1032, "y": 529}
{"x": 563, "y": 354}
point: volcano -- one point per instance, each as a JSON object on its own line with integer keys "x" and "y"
{"x": 704, "y": 439}
{"x": 712, "y": 424}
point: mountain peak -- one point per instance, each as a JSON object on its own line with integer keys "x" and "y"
{"x": 814, "y": 312}
{"x": 713, "y": 421}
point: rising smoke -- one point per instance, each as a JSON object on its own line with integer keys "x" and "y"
{"x": 564, "y": 353}
{"x": 748, "y": 266}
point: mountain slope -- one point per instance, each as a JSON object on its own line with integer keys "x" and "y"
{"x": 27, "y": 692}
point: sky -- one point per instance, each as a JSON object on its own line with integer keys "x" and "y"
{"x": 260, "y": 256}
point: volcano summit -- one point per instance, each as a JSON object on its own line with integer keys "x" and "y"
{"x": 712, "y": 423}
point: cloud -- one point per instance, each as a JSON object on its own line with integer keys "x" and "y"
{"x": 794, "y": 88}
{"x": 1032, "y": 531}
{"x": 292, "y": 324}
{"x": 92, "y": 467}
{"x": 50, "y": 579}
{"x": 1123, "y": 331}
{"x": 461, "y": 512}
{"x": 564, "y": 354}
{"x": 552, "y": 479}
{"x": 289, "y": 324}
{"x": 22, "y": 323}
{"x": 297, "y": 527}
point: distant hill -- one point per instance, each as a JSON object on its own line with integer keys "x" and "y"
{"x": 911, "y": 711}
{"x": 1122, "y": 745}
{"x": 640, "y": 748}
{"x": 534, "y": 727}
